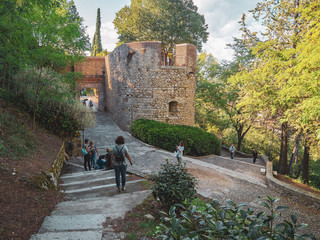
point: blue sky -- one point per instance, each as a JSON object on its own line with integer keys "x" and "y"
{"x": 222, "y": 17}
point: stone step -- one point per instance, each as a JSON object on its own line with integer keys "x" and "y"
{"x": 97, "y": 187}
{"x": 83, "y": 222}
{"x": 111, "y": 205}
{"x": 99, "y": 181}
{"x": 83, "y": 219}
{"x": 102, "y": 190}
{"x": 86, "y": 175}
{"x": 68, "y": 235}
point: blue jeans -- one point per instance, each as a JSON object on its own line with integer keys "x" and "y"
{"x": 121, "y": 169}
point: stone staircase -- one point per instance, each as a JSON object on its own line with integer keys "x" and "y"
{"x": 90, "y": 198}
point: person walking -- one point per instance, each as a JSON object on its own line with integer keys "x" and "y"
{"x": 232, "y": 151}
{"x": 255, "y": 155}
{"x": 118, "y": 154}
{"x": 94, "y": 151}
{"x": 179, "y": 151}
{"x": 87, "y": 157}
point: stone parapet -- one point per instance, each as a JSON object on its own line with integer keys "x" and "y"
{"x": 291, "y": 192}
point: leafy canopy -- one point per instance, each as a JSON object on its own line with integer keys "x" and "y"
{"x": 169, "y": 21}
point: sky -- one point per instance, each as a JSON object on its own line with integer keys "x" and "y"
{"x": 222, "y": 17}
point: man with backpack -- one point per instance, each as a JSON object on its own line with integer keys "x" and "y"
{"x": 119, "y": 152}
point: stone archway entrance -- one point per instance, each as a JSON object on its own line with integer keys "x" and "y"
{"x": 96, "y": 93}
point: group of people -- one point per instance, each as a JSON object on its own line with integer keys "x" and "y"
{"x": 84, "y": 102}
{"x": 114, "y": 158}
{"x": 232, "y": 151}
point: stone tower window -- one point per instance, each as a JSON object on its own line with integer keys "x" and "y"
{"x": 173, "y": 108}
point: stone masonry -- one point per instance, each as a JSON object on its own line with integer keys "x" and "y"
{"x": 137, "y": 85}
{"x": 93, "y": 70}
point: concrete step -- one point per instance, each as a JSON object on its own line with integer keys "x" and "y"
{"x": 83, "y": 219}
{"x": 102, "y": 190}
{"x": 111, "y": 205}
{"x": 68, "y": 235}
{"x": 99, "y": 181}
{"x": 86, "y": 175}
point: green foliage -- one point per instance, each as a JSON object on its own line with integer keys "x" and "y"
{"x": 256, "y": 138}
{"x": 15, "y": 140}
{"x": 314, "y": 176}
{"x": 213, "y": 221}
{"x": 173, "y": 184}
{"x": 63, "y": 117}
{"x": 169, "y": 21}
{"x": 216, "y": 95}
{"x": 96, "y": 47}
{"x": 166, "y": 136}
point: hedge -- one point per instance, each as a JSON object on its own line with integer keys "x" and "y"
{"x": 196, "y": 141}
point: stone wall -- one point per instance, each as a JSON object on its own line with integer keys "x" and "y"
{"x": 93, "y": 70}
{"x": 139, "y": 87}
{"x": 92, "y": 66}
{"x": 49, "y": 179}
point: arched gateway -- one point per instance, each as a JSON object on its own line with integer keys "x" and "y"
{"x": 132, "y": 82}
{"x": 93, "y": 70}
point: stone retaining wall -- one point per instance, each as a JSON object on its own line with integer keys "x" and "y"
{"x": 296, "y": 194}
{"x": 49, "y": 179}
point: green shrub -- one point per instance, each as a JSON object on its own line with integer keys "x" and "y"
{"x": 197, "y": 142}
{"x": 214, "y": 221}
{"x": 173, "y": 184}
{"x": 61, "y": 117}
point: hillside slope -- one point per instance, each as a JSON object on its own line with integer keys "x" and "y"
{"x": 23, "y": 155}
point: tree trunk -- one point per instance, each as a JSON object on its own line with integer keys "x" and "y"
{"x": 270, "y": 150}
{"x": 294, "y": 152}
{"x": 241, "y": 135}
{"x": 239, "y": 132}
{"x": 305, "y": 163}
{"x": 283, "y": 161}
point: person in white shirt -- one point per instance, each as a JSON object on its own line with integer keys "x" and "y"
{"x": 179, "y": 150}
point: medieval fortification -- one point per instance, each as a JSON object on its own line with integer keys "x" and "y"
{"x": 132, "y": 83}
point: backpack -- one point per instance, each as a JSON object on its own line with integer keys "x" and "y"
{"x": 119, "y": 155}
{"x": 84, "y": 151}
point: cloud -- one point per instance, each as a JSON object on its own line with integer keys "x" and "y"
{"x": 109, "y": 36}
{"x": 222, "y": 18}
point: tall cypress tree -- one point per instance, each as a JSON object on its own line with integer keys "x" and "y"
{"x": 96, "y": 43}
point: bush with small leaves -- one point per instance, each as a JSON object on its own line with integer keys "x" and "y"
{"x": 213, "y": 221}
{"x": 173, "y": 184}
